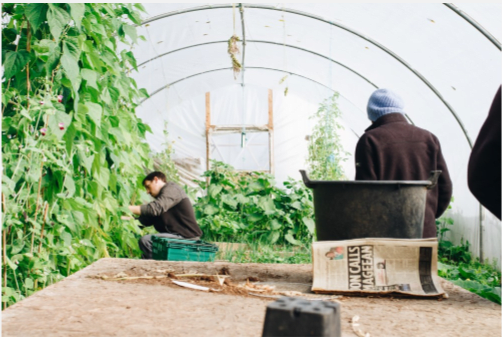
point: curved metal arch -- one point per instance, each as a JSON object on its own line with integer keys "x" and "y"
{"x": 262, "y": 68}
{"x": 475, "y": 24}
{"x": 350, "y": 30}
{"x": 268, "y": 42}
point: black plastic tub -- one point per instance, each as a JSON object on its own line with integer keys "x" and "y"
{"x": 347, "y": 210}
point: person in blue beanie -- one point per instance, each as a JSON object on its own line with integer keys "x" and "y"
{"x": 393, "y": 149}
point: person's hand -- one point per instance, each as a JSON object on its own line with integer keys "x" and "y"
{"x": 135, "y": 209}
{"x": 126, "y": 218}
{"x": 125, "y": 209}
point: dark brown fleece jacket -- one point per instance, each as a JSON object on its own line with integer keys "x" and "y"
{"x": 171, "y": 212}
{"x": 393, "y": 149}
{"x": 485, "y": 163}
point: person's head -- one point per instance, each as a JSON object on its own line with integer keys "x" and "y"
{"x": 383, "y": 102}
{"x": 154, "y": 182}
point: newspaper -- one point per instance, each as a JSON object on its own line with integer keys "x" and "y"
{"x": 377, "y": 265}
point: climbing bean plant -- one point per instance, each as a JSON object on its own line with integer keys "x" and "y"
{"x": 326, "y": 153}
{"x": 73, "y": 151}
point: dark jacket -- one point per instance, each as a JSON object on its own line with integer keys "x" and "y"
{"x": 484, "y": 164}
{"x": 393, "y": 149}
{"x": 171, "y": 212}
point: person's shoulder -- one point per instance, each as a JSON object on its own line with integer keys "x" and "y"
{"x": 426, "y": 132}
{"x": 172, "y": 187}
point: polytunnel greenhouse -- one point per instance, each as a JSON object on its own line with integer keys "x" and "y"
{"x": 443, "y": 59}
{"x": 231, "y": 101}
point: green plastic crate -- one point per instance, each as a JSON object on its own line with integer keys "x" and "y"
{"x": 182, "y": 250}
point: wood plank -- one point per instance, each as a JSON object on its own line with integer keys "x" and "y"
{"x": 82, "y": 305}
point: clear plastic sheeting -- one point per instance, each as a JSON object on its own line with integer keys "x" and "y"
{"x": 442, "y": 63}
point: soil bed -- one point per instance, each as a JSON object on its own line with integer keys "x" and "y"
{"x": 107, "y": 299}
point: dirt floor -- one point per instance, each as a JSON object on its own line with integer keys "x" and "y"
{"x": 108, "y": 299}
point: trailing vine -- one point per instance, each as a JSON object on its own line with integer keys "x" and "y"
{"x": 73, "y": 150}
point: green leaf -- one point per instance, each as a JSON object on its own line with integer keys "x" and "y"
{"x": 69, "y": 61}
{"x": 310, "y": 224}
{"x": 132, "y": 60}
{"x": 274, "y": 224}
{"x": 77, "y": 13}
{"x": 241, "y": 199}
{"x": 57, "y": 18}
{"x": 17, "y": 246}
{"x": 71, "y": 48}
{"x": 70, "y": 65}
{"x": 230, "y": 201}
{"x": 10, "y": 34}
{"x": 214, "y": 190}
{"x": 59, "y": 117}
{"x": 12, "y": 265}
{"x": 86, "y": 161}
{"x": 296, "y": 205}
{"x": 15, "y": 62}
{"x": 104, "y": 177}
{"x": 69, "y": 137}
{"x": 28, "y": 283}
{"x": 8, "y": 291}
{"x": 267, "y": 204}
{"x": 36, "y": 14}
{"x": 90, "y": 76}
{"x": 48, "y": 51}
{"x": 291, "y": 239}
{"x": 66, "y": 238}
{"x": 273, "y": 237}
{"x": 95, "y": 111}
{"x": 144, "y": 93}
{"x": 254, "y": 217}
{"x": 210, "y": 210}
{"x": 70, "y": 186}
{"x": 131, "y": 31}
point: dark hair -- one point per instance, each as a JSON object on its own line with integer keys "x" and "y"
{"x": 152, "y": 175}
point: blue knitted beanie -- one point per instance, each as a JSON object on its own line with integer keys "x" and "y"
{"x": 383, "y": 102}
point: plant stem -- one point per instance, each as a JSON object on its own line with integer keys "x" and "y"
{"x": 15, "y": 279}
{"x": 43, "y": 225}
{"x": 4, "y": 249}
{"x": 28, "y": 84}
{"x": 36, "y": 208}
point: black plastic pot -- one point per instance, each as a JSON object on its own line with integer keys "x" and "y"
{"x": 347, "y": 210}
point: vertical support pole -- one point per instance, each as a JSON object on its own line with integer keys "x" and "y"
{"x": 208, "y": 127}
{"x": 271, "y": 131}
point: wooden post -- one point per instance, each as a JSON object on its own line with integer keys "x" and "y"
{"x": 271, "y": 130}
{"x": 4, "y": 248}
{"x": 208, "y": 126}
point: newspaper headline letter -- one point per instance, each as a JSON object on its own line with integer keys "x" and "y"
{"x": 407, "y": 266}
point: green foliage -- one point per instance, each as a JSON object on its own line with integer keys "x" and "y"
{"x": 455, "y": 263}
{"x": 249, "y": 207}
{"x": 73, "y": 150}
{"x": 326, "y": 153}
{"x": 481, "y": 279}
{"x": 262, "y": 253}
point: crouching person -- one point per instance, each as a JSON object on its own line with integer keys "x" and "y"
{"x": 171, "y": 213}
